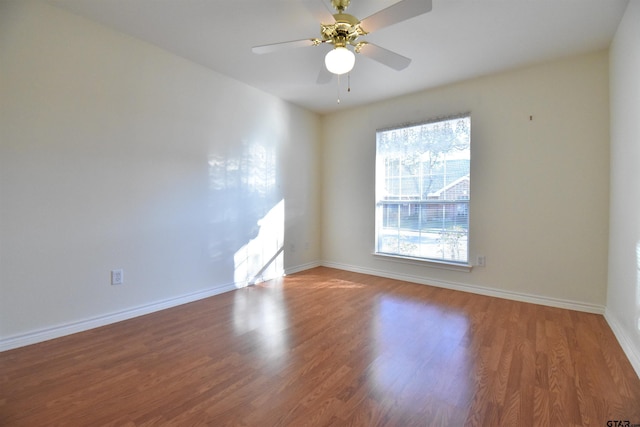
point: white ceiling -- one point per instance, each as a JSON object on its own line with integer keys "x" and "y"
{"x": 457, "y": 40}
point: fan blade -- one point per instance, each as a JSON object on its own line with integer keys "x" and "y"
{"x": 269, "y": 48}
{"x": 384, "y": 56}
{"x": 395, "y": 13}
{"x": 324, "y": 76}
{"x": 320, "y": 11}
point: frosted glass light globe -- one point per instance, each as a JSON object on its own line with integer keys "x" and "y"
{"x": 340, "y": 60}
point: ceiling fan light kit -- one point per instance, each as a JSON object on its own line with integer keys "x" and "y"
{"x": 344, "y": 32}
{"x": 340, "y": 60}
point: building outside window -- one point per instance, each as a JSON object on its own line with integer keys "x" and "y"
{"x": 423, "y": 190}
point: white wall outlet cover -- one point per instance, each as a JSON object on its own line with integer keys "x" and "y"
{"x": 117, "y": 277}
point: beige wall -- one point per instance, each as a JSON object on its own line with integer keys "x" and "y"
{"x": 116, "y": 154}
{"x": 623, "y": 297}
{"x": 539, "y": 188}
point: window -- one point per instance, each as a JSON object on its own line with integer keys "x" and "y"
{"x": 422, "y": 190}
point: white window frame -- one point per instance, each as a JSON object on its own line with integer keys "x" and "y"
{"x": 421, "y": 199}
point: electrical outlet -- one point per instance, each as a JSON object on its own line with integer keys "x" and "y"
{"x": 117, "y": 277}
{"x": 481, "y": 261}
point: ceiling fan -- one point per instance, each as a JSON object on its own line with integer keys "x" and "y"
{"x": 345, "y": 30}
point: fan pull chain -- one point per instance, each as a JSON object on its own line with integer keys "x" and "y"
{"x": 348, "y": 85}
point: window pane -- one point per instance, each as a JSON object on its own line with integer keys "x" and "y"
{"x": 422, "y": 190}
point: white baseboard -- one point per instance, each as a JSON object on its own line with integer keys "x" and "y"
{"x": 632, "y": 352}
{"x": 480, "y": 290}
{"x": 95, "y": 322}
{"x": 83, "y": 325}
{"x": 302, "y": 267}
{"x": 46, "y": 334}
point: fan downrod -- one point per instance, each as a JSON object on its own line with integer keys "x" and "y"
{"x": 340, "y": 5}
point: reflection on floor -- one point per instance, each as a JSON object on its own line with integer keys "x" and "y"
{"x": 329, "y": 347}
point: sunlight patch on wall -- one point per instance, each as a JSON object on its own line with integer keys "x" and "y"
{"x": 246, "y": 212}
{"x": 262, "y": 257}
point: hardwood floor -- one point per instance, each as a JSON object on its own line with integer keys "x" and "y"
{"x": 328, "y": 347}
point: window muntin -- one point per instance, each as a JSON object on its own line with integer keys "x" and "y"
{"x": 422, "y": 190}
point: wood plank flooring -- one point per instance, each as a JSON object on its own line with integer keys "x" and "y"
{"x": 329, "y": 348}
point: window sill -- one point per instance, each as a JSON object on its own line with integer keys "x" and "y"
{"x": 455, "y": 266}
